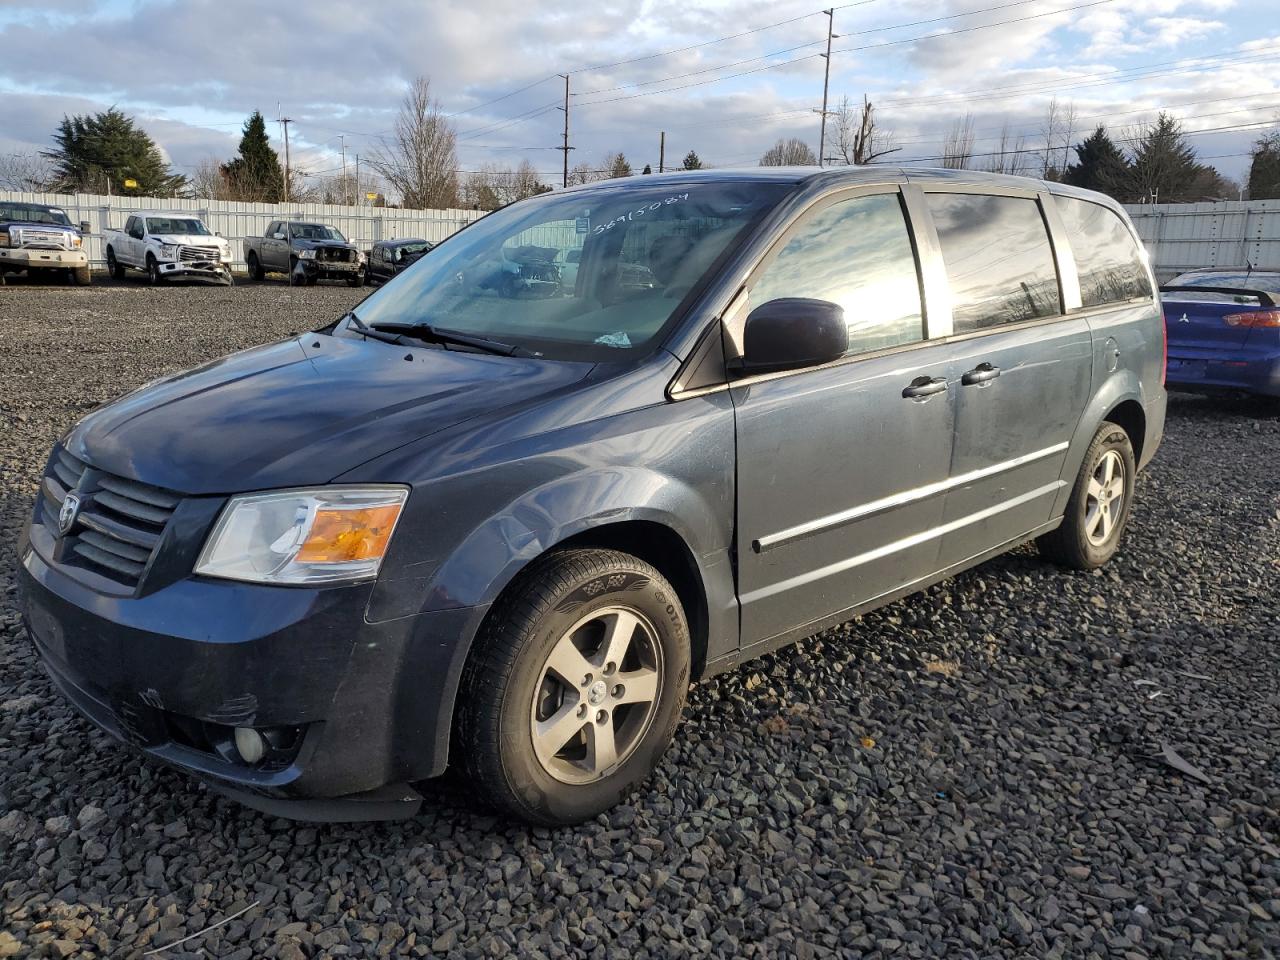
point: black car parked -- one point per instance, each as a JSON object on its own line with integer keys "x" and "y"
{"x": 498, "y": 522}
{"x": 389, "y": 257}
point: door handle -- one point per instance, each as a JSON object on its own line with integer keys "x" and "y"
{"x": 982, "y": 373}
{"x": 922, "y": 388}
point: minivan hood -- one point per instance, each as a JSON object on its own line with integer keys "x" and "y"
{"x": 301, "y": 412}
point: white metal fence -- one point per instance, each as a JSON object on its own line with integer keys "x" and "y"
{"x": 1194, "y": 236}
{"x": 235, "y": 220}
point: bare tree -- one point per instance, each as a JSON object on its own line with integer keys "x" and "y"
{"x": 957, "y": 148}
{"x": 209, "y": 181}
{"x": 492, "y": 186}
{"x": 1059, "y": 132}
{"x": 583, "y": 173}
{"x": 789, "y": 153}
{"x": 858, "y": 138}
{"x": 1011, "y": 156}
{"x": 420, "y": 160}
{"x": 28, "y": 172}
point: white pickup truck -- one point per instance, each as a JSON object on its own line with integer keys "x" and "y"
{"x": 167, "y": 244}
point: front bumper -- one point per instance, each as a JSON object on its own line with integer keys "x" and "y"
{"x": 19, "y": 258}
{"x": 331, "y": 269}
{"x": 172, "y": 672}
{"x": 196, "y": 269}
{"x": 1206, "y": 373}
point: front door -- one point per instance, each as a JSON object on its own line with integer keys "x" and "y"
{"x": 838, "y": 471}
{"x": 1021, "y": 370}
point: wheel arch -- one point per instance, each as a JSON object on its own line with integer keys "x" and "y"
{"x": 1130, "y": 415}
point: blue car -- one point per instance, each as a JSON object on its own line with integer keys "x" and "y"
{"x": 1224, "y": 331}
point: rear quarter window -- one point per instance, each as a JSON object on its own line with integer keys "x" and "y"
{"x": 1108, "y": 260}
{"x": 999, "y": 262}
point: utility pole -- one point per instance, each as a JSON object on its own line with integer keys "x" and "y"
{"x": 662, "y": 150}
{"x": 346, "y": 187}
{"x": 826, "y": 81}
{"x": 566, "y": 148}
{"x": 359, "y": 195}
{"x": 284, "y": 122}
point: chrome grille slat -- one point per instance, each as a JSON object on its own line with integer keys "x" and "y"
{"x": 120, "y": 531}
{"x": 197, "y": 253}
{"x": 119, "y": 548}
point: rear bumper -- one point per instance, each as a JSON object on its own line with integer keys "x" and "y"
{"x": 22, "y": 259}
{"x": 1202, "y": 373}
{"x": 1156, "y": 408}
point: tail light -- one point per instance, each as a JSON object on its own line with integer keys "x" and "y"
{"x": 1254, "y": 318}
{"x": 1164, "y": 349}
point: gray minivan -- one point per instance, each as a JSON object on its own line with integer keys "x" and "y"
{"x": 501, "y": 514}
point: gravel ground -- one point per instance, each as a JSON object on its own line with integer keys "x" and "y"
{"x": 966, "y": 773}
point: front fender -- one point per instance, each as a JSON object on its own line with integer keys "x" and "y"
{"x": 478, "y": 571}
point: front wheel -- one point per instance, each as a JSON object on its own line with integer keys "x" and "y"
{"x": 1098, "y": 509}
{"x": 574, "y": 688}
{"x": 81, "y": 276}
{"x": 357, "y": 280}
{"x": 153, "y": 271}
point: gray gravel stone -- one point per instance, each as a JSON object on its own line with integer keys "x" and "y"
{"x": 966, "y": 773}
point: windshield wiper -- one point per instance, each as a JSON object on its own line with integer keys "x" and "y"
{"x": 372, "y": 333}
{"x": 430, "y": 334}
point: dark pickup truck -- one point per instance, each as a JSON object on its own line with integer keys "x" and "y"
{"x": 305, "y": 252}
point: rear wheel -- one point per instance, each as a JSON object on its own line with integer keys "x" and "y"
{"x": 114, "y": 266}
{"x": 1098, "y": 509}
{"x": 575, "y": 686}
{"x": 255, "y": 268}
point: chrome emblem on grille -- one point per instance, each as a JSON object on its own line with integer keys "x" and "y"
{"x": 68, "y": 512}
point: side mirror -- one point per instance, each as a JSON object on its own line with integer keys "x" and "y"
{"x": 217, "y": 233}
{"x": 84, "y": 226}
{"x": 793, "y": 332}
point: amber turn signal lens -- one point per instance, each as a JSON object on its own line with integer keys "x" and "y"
{"x": 339, "y": 535}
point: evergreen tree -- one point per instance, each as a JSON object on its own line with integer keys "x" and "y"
{"x": 1100, "y": 165}
{"x": 691, "y": 161}
{"x": 255, "y": 174}
{"x": 1164, "y": 164}
{"x": 618, "y": 166}
{"x": 98, "y": 153}
{"x": 1264, "y": 171}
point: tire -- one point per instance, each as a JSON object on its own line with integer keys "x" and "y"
{"x": 114, "y": 266}
{"x": 294, "y": 280}
{"x": 1093, "y": 525}
{"x": 82, "y": 276}
{"x": 357, "y": 280}
{"x": 153, "y": 271}
{"x": 556, "y": 620}
{"x": 255, "y": 268}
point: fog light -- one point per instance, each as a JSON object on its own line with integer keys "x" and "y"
{"x": 250, "y": 744}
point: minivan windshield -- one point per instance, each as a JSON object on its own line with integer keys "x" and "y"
{"x": 640, "y": 250}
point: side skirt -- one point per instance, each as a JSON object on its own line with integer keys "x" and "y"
{"x": 770, "y": 644}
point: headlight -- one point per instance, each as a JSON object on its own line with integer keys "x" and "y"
{"x": 169, "y": 249}
{"x": 321, "y": 535}
{"x": 77, "y": 241}
{"x": 306, "y": 254}
{"x": 360, "y": 257}
{"x": 4, "y": 238}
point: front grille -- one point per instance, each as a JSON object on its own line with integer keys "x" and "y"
{"x": 119, "y": 524}
{"x": 198, "y": 253}
{"x": 333, "y": 254}
{"x": 41, "y": 239}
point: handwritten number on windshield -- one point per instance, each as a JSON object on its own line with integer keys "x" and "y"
{"x": 640, "y": 212}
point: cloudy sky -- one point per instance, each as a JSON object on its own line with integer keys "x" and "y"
{"x": 702, "y": 70}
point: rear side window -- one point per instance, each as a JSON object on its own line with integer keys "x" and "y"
{"x": 998, "y": 258}
{"x": 856, "y": 253}
{"x": 1108, "y": 260}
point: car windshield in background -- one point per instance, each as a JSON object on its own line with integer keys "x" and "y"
{"x": 1235, "y": 280}
{"x": 315, "y": 231}
{"x": 28, "y": 213}
{"x": 160, "y": 226}
{"x": 413, "y": 249}
{"x": 640, "y": 253}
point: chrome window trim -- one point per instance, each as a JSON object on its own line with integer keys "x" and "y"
{"x": 905, "y": 543}
{"x": 900, "y": 499}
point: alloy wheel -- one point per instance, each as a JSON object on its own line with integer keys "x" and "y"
{"x": 597, "y": 695}
{"x": 1104, "y": 503}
